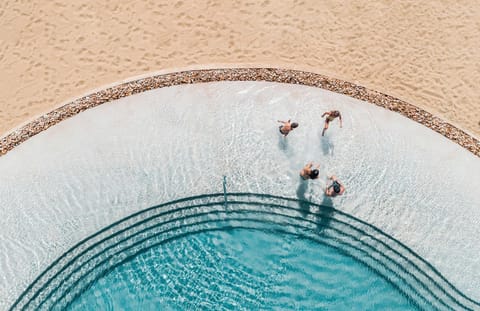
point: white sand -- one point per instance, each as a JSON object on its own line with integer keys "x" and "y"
{"x": 424, "y": 53}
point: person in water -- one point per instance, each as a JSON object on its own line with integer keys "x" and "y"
{"x": 310, "y": 172}
{"x": 336, "y": 188}
{"x": 287, "y": 127}
{"x": 331, "y": 115}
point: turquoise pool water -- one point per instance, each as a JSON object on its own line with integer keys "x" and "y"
{"x": 241, "y": 250}
{"x": 242, "y": 269}
{"x": 68, "y": 183}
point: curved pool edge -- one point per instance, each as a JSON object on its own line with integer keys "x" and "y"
{"x": 289, "y": 76}
{"x": 397, "y": 261}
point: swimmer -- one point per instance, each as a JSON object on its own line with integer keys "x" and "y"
{"x": 310, "y": 172}
{"x": 331, "y": 115}
{"x": 287, "y": 127}
{"x": 336, "y": 188}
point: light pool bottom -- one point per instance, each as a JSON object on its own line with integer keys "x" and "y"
{"x": 242, "y": 269}
{"x": 102, "y": 165}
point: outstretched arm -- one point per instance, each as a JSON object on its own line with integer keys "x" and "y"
{"x": 325, "y": 113}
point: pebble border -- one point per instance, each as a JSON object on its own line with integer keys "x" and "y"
{"x": 419, "y": 115}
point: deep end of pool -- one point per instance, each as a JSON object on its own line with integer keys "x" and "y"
{"x": 119, "y": 158}
{"x": 241, "y": 251}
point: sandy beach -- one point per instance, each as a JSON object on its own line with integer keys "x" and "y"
{"x": 419, "y": 59}
{"x": 423, "y": 53}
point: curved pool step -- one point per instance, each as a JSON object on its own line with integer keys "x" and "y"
{"x": 75, "y": 271}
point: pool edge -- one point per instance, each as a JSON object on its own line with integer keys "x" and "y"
{"x": 290, "y": 76}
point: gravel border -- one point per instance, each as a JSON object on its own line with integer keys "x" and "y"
{"x": 419, "y": 115}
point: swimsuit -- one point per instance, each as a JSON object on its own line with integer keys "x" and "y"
{"x": 329, "y": 118}
{"x": 280, "y": 128}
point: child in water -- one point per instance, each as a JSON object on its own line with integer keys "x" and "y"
{"x": 336, "y": 188}
{"x": 287, "y": 127}
{"x": 310, "y": 172}
{"x": 331, "y": 115}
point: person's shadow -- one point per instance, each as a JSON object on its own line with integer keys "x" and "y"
{"x": 327, "y": 145}
{"x": 326, "y": 209}
{"x": 283, "y": 144}
{"x": 303, "y": 203}
{"x": 325, "y": 214}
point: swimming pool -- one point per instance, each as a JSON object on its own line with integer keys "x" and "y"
{"x": 158, "y": 146}
{"x": 241, "y": 251}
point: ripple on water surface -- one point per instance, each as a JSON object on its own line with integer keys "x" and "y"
{"x": 242, "y": 269}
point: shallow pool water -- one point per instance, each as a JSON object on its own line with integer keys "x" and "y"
{"x": 108, "y": 162}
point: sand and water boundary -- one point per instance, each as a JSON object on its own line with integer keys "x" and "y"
{"x": 417, "y": 114}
